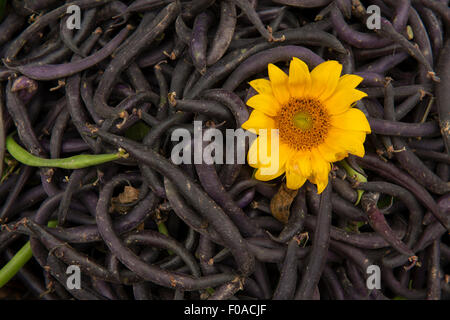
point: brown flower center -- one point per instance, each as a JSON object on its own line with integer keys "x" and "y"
{"x": 303, "y": 123}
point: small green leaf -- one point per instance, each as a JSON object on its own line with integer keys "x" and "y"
{"x": 138, "y": 131}
{"x": 163, "y": 230}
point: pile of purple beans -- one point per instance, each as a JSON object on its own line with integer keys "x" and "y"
{"x": 142, "y": 227}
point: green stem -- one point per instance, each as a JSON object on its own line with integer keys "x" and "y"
{"x": 75, "y": 162}
{"x": 22, "y": 256}
{"x": 355, "y": 175}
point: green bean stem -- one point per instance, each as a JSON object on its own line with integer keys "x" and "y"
{"x": 74, "y": 162}
{"x": 355, "y": 175}
{"x": 22, "y": 256}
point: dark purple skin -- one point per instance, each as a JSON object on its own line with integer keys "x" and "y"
{"x": 215, "y": 216}
{"x": 231, "y": 101}
{"x": 205, "y": 252}
{"x": 365, "y": 54}
{"x": 155, "y": 239}
{"x": 27, "y": 135}
{"x": 420, "y": 35}
{"x": 199, "y": 40}
{"x": 404, "y": 129}
{"x": 388, "y": 31}
{"x": 258, "y": 63}
{"x": 313, "y": 36}
{"x": 191, "y": 9}
{"x": 432, "y": 155}
{"x": 399, "y": 92}
{"x": 116, "y": 11}
{"x": 181, "y": 73}
{"x": 210, "y": 181}
{"x": 58, "y": 270}
{"x": 303, "y": 3}
{"x": 152, "y": 57}
{"x": 391, "y": 172}
{"x": 379, "y": 224}
{"x": 407, "y": 105}
{"x": 434, "y": 272}
{"x": 415, "y": 210}
{"x": 52, "y": 72}
{"x": 209, "y": 108}
{"x": 227, "y": 290}
{"x": 14, "y": 193}
{"x": 43, "y": 21}
{"x": 127, "y": 257}
{"x": 333, "y": 285}
{"x": 145, "y": 34}
{"x": 273, "y": 255}
{"x": 423, "y": 41}
{"x": 251, "y": 14}
{"x": 64, "y": 251}
{"x": 89, "y": 233}
{"x": 224, "y": 32}
{"x": 383, "y": 64}
{"x": 441, "y": 8}
{"x": 57, "y": 133}
{"x": 145, "y": 5}
{"x": 388, "y": 276}
{"x": 443, "y": 94}
{"x": 296, "y": 219}
{"x": 353, "y": 37}
{"x": 182, "y": 30}
{"x": 365, "y": 240}
{"x": 31, "y": 281}
{"x": 246, "y": 198}
{"x": 402, "y": 9}
{"x": 434, "y": 28}
{"x": 9, "y": 26}
{"x": 186, "y": 214}
{"x": 356, "y": 255}
{"x": 317, "y": 258}
{"x": 285, "y": 289}
{"x": 66, "y": 34}
{"x": 371, "y": 79}
{"x": 344, "y": 189}
{"x": 416, "y": 168}
{"x": 434, "y": 230}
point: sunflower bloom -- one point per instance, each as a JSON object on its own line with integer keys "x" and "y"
{"x": 314, "y": 121}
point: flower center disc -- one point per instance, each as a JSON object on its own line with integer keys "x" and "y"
{"x": 303, "y": 123}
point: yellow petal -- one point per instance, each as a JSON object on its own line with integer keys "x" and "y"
{"x": 258, "y": 120}
{"x": 352, "y": 119}
{"x": 294, "y": 178}
{"x": 260, "y": 153}
{"x": 276, "y": 167}
{"x": 260, "y": 175}
{"x": 280, "y": 83}
{"x": 264, "y": 103}
{"x": 342, "y": 100}
{"x": 262, "y": 86}
{"x": 253, "y": 155}
{"x": 349, "y": 141}
{"x": 299, "y": 78}
{"x": 325, "y": 78}
{"x": 330, "y": 152}
{"x": 301, "y": 162}
{"x": 321, "y": 169}
{"x": 349, "y": 81}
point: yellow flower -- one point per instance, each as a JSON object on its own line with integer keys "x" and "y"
{"x": 315, "y": 120}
